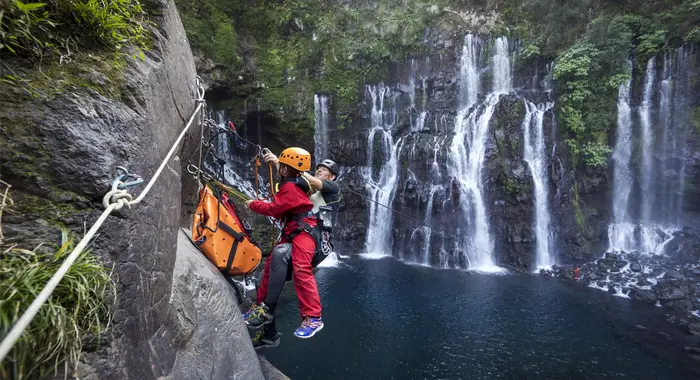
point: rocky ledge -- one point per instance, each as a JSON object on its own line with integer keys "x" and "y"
{"x": 668, "y": 278}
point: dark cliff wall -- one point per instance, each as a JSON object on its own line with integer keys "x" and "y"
{"x": 59, "y": 151}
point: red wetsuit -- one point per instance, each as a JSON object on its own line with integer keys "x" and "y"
{"x": 289, "y": 200}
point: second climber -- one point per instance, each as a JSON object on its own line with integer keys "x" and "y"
{"x": 296, "y": 246}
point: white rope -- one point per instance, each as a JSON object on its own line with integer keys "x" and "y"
{"x": 113, "y": 200}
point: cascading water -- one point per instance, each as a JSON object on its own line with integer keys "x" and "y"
{"x": 534, "y": 155}
{"x": 622, "y": 182}
{"x": 225, "y": 151}
{"x": 417, "y": 123}
{"x": 428, "y": 218}
{"x": 502, "y": 78}
{"x": 661, "y": 170}
{"x": 676, "y": 129}
{"x": 469, "y": 147}
{"x": 381, "y": 184}
{"x": 321, "y": 127}
{"x": 622, "y": 174}
{"x": 647, "y": 168}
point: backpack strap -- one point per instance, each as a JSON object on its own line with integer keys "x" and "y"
{"x": 300, "y": 181}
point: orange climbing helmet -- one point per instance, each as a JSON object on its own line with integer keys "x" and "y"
{"x": 297, "y": 158}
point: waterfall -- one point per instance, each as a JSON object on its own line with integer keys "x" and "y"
{"x": 662, "y": 172}
{"x": 618, "y": 231}
{"x": 225, "y": 151}
{"x": 622, "y": 177}
{"x": 412, "y": 84}
{"x": 321, "y": 127}
{"x": 646, "y": 169}
{"x": 534, "y": 155}
{"x": 428, "y": 218}
{"x": 679, "y": 126}
{"x": 469, "y": 147}
{"x": 502, "y": 78}
{"x": 469, "y": 72}
{"x": 381, "y": 189}
{"x": 420, "y": 123}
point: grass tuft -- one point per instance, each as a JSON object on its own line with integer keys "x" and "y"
{"x": 78, "y": 311}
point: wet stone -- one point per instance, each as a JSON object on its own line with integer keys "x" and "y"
{"x": 674, "y": 274}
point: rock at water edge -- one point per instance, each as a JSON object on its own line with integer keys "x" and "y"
{"x": 212, "y": 340}
{"x": 269, "y": 371}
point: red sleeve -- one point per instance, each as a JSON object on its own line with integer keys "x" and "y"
{"x": 284, "y": 201}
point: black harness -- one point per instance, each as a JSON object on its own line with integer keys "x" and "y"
{"x": 302, "y": 226}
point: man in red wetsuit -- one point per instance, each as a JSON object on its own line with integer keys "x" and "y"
{"x": 297, "y": 246}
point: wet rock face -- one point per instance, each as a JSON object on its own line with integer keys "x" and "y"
{"x": 60, "y": 155}
{"x": 684, "y": 248}
{"x": 350, "y": 226}
{"x": 510, "y": 186}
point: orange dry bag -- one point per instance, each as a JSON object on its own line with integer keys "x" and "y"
{"x": 223, "y": 239}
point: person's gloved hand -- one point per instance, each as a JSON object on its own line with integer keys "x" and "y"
{"x": 270, "y": 158}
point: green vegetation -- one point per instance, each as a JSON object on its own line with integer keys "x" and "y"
{"x": 591, "y": 41}
{"x": 62, "y": 27}
{"x": 79, "y": 309}
{"x": 580, "y": 219}
{"x": 58, "y": 40}
{"x": 280, "y": 52}
{"x": 513, "y": 186}
{"x": 287, "y": 50}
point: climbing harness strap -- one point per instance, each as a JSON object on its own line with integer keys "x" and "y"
{"x": 302, "y": 226}
{"x": 115, "y": 199}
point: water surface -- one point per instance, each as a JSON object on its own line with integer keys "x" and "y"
{"x": 388, "y": 320}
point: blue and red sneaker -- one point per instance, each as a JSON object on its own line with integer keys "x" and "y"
{"x": 309, "y": 327}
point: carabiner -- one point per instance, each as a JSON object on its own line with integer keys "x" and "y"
{"x": 135, "y": 179}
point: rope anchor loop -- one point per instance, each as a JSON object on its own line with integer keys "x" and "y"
{"x": 117, "y": 196}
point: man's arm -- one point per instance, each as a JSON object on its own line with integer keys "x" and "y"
{"x": 326, "y": 187}
{"x": 330, "y": 187}
{"x": 315, "y": 183}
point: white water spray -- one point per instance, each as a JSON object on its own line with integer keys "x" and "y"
{"x": 622, "y": 181}
{"x": 469, "y": 147}
{"x": 646, "y": 169}
{"x": 383, "y": 188}
{"x": 534, "y": 155}
{"x": 321, "y": 127}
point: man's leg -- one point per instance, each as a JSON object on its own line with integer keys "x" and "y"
{"x": 274, "y": 276}
{"x": 264, "y": 281}
{"x": 281, "y": 255}
{"x": 303, "y": 247}
{"x": 262, "y": 292}
{"x": 268, "y": 337}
